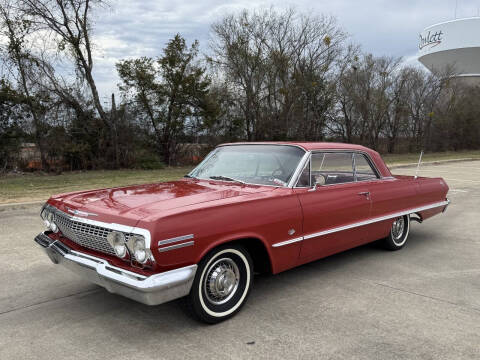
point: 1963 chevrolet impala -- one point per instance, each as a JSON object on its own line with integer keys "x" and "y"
{"x": 247, "y": 207}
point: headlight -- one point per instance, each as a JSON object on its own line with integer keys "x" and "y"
{"x": 53, "y": 227}
{"x": 136, "y": 244}
{"x": 117, "y": 240}
{"x": 49, "y": 219}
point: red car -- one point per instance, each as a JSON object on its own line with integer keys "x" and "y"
{"x": 247, "y": 207}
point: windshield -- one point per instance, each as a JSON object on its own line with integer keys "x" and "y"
{"x": 251, "y": 164}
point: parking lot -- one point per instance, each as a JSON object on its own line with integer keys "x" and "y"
{"x": 422, "y": 302}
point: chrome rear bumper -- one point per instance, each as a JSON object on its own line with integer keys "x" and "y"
{"x": 151, "y": 290}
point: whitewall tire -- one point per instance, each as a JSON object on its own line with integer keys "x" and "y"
{"x": 398, "y": 233}
{"x": 222, "y": 284}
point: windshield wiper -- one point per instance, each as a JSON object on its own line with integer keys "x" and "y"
{"x": 189, "y": 176}
{"x": 226, "y": 178}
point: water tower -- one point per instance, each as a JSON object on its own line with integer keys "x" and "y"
{"x": 454, "y": 43}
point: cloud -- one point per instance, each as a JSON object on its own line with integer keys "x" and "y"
{"x": 128, "y": 29}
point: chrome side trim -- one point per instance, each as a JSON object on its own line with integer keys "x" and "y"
{"x": 362, "y": 223}
{"x": 291, "y": 241}
{"x": 446, "y": 206}
{"x": 175, "y": 239}
{"x": 176, "y": 246}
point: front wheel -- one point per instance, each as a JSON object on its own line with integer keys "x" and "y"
{"x": 398, "y": 233}
{"x": 222, "y": 284}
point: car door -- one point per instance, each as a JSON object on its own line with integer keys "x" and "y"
{"x": 331, "y": 209}
{"x": 379, "y": 188}
{"x": 388, "y": 196}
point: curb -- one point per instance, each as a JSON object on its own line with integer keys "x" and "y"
{"x": 10, "y": 206}
{"x": 437, "y": 162}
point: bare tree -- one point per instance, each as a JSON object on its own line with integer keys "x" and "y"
{"x": 279, "y": 65}
{"x": 423, "y": 93}
{"x": 69, "y": 23}
{"x": 397, "y": 112}
{"x": 16, "y": 30}
{"x": 365, "y": 94}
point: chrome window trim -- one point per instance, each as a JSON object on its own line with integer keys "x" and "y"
{"x": 367, "y": 156}
{"x": 354, "y": 167}
{"x": 262, "y": 143}
{"x": 209, "y": 155}
{"x": 308, "y": 161}
{"x": 372, "y": 165}
{"x": 364, "y": 222}
{"x": 298, "y": 171}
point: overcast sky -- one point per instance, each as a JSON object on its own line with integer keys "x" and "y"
{"x": 133, "y": 28}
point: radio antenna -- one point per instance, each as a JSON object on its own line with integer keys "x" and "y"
{"x": 418, "y": 165}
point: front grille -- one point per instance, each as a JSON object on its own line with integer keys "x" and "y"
{"x": 87, "y": 235}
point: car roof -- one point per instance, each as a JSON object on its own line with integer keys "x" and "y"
{"x": 308, "y": 146}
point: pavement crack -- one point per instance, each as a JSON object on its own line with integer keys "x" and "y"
{"x": 426, "y": 296}
{"x": 48, "y": 301}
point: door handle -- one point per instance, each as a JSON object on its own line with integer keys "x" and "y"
{"x": 365, "y": 193}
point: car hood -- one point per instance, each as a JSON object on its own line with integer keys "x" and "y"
{"x": 129, "y": 204}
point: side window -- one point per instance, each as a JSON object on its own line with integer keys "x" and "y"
{"x": 332, "y": 168}
{"x": 363, "y": 169}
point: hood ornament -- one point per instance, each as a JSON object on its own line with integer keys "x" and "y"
{"x": 80, "y": 213}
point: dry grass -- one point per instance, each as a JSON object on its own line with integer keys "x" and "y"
{"x": 399, "y": 159}
{"x": 37, "y": 186}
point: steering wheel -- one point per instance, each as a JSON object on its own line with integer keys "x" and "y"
{"x": 277, "y": 172}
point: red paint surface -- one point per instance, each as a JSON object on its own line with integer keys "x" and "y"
{"x": 217, "y": 212}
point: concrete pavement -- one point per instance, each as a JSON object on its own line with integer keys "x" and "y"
{"x": 422, "y": 302}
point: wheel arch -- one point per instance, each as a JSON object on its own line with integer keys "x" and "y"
{"x": 256, "y": 247}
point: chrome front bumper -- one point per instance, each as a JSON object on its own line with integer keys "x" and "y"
{"x": 151, "y": 290}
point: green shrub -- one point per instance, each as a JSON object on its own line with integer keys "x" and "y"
{"x": 148, "y": 161}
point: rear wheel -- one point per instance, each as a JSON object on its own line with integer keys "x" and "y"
{"x": 222, "y": 284}
{"x": 398, "y": 233}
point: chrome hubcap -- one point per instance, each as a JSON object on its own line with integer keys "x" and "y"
{"x": 221, "y": 281}
{"x": 398, "y": 228}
